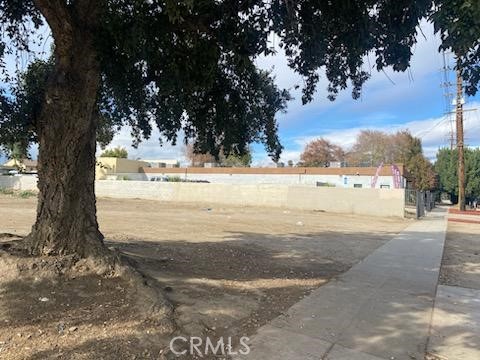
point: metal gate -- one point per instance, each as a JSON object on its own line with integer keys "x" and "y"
{"x": 418, "y": 202}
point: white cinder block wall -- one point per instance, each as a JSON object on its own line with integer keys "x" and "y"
{"x": 26, "y": 182}
{"x": 374, "y": 202}
{"x": 365, "y": 201}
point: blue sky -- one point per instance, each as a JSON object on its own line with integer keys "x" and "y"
{"x": 390, "y": 101}
{"x": 414, "y": 101}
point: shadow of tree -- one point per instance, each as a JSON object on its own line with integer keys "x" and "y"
{"x": 219, "y": 288}
{"x": 233, "y": 286}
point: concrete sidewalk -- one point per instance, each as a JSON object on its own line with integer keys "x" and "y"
{"x": 380, "y": 309}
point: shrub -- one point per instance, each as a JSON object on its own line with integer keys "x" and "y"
{"x": 174, "y": 179}
{"x": 25, "y": 194}
{"x": 6, "y": 191}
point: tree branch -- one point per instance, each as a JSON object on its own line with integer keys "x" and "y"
{"x": 87, "y": 11}
{"x": 58, "y": 17}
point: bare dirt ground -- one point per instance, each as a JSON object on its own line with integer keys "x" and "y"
{"x": 227, "y": 271}
{"x": 461, "y": 257}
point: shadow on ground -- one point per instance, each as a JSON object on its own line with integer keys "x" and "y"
{"x": 222, "y": 288}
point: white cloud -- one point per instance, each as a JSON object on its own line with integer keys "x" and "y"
{"x": 40, "y": 44}
{"x": 379, "y": 89}
{"x": 434, "y": 132}
{"x": 148, "y": 149}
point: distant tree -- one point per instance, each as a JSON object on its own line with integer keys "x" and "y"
{"x": 16, "y": 152}
{"x": 371, "y": 148}
{"x": 339, "y": 153}
{"x": 233, "y": 159}
{"x": 236, "y": 160}
{"x": 321, "y": 152}
{"x": 422, "y": 172}
{"x": 374, "y": 147}
{"x": 407, "y": 149}
{"x": 195, "y": 158}
{"x": 118, "y": 152}
{"x": 472, "y": 179}
{"x": 446, "y": 168}
{"x": 290, "y": 163}
{"x": 403, "y": 147}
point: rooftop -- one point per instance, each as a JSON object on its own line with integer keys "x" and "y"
{"x": 368, "y": 171}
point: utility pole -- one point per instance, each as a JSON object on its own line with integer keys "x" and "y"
{"x": 461, "y": 160}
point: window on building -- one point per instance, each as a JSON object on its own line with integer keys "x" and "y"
{"x": 325, "y": 184}
{"x": 357, "y": 185}
{"x": 384, "y": 186}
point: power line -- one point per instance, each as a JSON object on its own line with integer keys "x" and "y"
{"x": 423, "y": 133}
{"x": 448, "y": 95}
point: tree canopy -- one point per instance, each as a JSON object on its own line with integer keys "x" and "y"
{"x": 320, "y": 152}
{"x": 16, "y": 152}
{"x": 190, "y": 65}
{"x": 372, "y": 147}
{"x": 375, "y": 147}
{"x": 447, "y": 170}
{"x": 233, "y": 159}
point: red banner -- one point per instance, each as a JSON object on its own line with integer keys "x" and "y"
{"x": 397, "y": 177}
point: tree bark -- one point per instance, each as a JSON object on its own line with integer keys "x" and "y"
{"x": 66, "y": 220}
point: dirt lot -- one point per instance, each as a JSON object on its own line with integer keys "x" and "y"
{"x": 227, "y": 271}
{"x": 461, "y": 257}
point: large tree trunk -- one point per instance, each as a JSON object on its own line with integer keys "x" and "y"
{"x": 66, "y": 220}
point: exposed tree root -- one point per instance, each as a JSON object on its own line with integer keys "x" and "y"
{"x": 9, "y": 235}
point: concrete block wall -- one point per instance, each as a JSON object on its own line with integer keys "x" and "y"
{"x": 26, "y": 182}
{"x": 127, "y": 176}
{"x": 374, "y": 202}
{"x": 242, "y": 195}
